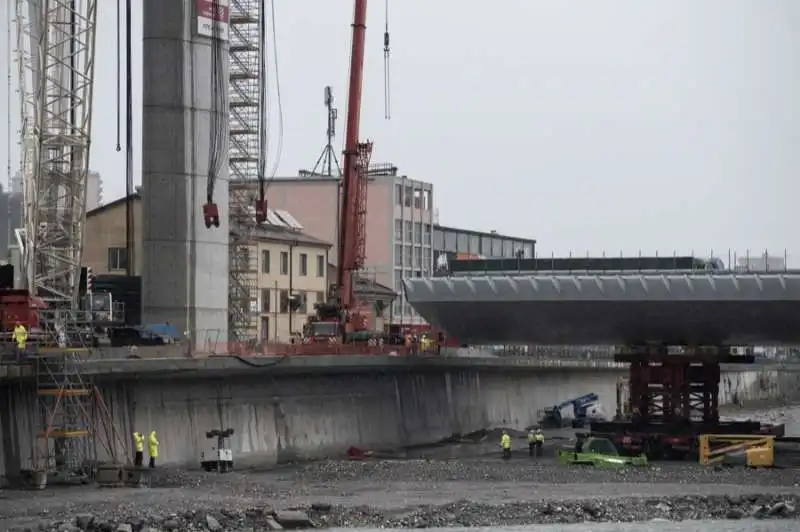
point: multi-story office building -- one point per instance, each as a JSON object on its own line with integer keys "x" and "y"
{"x": 451, "y": 243}
{"x": 399, "y": 224}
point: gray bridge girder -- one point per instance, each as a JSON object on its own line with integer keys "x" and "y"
{"x": 702, "y": 309}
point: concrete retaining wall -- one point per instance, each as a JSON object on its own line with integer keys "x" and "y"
{"x": 279, "y": 418}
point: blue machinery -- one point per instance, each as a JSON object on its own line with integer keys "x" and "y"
{"x": 554, "y": 417}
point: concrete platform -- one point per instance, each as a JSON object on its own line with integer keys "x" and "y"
{"x": 722, "y": 309}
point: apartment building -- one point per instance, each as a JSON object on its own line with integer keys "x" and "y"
{"x": 104, "y": 248}
{"x": 292, "y": 277}
{"x": 400, "y": 213}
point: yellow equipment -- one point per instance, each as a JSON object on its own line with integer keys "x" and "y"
{"x": 750, "y": 451}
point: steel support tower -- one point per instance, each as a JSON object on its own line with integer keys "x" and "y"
{"x": 57, "y": 80}
{"x": 244, "y": 152}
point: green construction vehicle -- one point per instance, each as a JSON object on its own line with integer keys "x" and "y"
{"x": 598, "y": 452}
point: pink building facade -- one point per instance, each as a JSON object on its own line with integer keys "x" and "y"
{"x": 400, "y": 215}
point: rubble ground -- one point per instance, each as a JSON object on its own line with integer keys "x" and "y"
{"x": 404, "y": 493}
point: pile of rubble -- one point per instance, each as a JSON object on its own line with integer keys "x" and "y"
{"x": 458, "y": 514}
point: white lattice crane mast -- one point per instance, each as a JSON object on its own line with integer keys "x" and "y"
{"x": 246, "y": 41}
{"x": 56, "y": 82}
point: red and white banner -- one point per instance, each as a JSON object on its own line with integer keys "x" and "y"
{"x": 212, "y": 18}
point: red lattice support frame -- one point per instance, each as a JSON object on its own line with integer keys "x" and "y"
{"x": 679, "y": 390}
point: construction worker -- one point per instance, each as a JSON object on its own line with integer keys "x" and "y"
{"x": 138, "y": 447}
{"x": 505, "y": 445}
{"x": 531, "y": 441}
{"x": 538, "y": 442}
{"x": 152, "y": 448}
{"x": 20, "y": 337}
{"x": 425, "y": 343}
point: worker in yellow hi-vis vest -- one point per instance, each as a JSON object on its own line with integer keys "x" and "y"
{"x": 505, "y": 445}
{"x": 20, "y": 337}
{"x": 138, "y": 445}
{"x": 152, "y": 447}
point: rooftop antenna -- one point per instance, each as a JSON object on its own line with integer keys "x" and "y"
{"x": 327, "y": 159}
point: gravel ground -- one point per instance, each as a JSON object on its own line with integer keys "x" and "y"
{"x": 410, "y": 493}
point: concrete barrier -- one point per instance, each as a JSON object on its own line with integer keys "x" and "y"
{"x": 304, "y": 409}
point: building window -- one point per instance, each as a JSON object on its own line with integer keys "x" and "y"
{"x": 265, "y": 300}
{"x": 303, "y": 264}
{"x": 320, "y": 297}
{"x": 398, "y": 254}
{"x": 462, "y": 242}
{"x": 427, "y": 199}
{"x": 497, "y": 248}
{"x": 486, "y": 246}
{"x": 398, "y": 230}
{"x": 417, "y": 233}
{"x": 320, "y": 266}
{"x": 301, "y": 299}
{"x": 284, "y": 263}
{"x": 508, "y": 249}
{"x": 438, "y": 239}
{"x": 117, "y": 259}
{"x": 475, "y": 244}
{"x": 284, "y": 303}
{"x": 407, "y": 256}
{"x": 408, "y": 193}
{"x": 418, "y": 258}
{"x": 417, "y": 199}
{"x": 426, "y": 260}
{"x": 398, "y": 193}
{"x": 426, "y": 234}
{"x": 450, "y": 241}
{"x": 527, "y": 250}
{"x": 265, "y": 261}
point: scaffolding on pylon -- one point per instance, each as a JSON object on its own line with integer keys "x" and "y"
{"x": 74, "y": 421}
{"x": 243, "y": 157}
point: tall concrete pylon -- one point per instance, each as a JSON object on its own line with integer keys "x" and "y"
{"x": 185, "y": 264}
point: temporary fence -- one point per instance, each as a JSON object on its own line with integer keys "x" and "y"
{"x": 212, "y": 343}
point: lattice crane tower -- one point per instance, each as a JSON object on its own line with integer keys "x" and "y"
{"x": 56, "y": 48}
{"x": 244, "y": 152}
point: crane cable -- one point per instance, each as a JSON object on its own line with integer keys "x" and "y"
{"x": 387, "y": 95}
{"x": 263, "y": 109}
{"x": 9, "y": 88}
{"x": 218, "y": 129}
{"x": 119, "y": 77}
{"x": 279, "y": 148}
{"x": 265, "y": 102}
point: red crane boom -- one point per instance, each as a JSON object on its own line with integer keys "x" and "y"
{"x": 352, "y": 223}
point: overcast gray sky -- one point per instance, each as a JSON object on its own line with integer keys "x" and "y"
{"x": 589, "y": 125}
